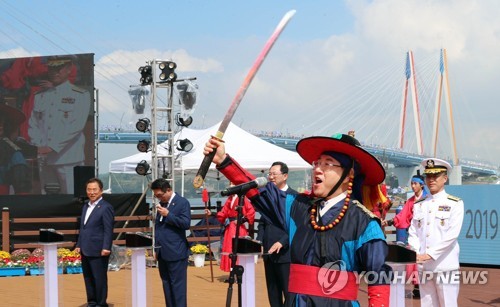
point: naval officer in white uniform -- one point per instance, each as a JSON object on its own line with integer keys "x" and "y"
{"x": 56, "y": 125}
{"x": 433, "y": 234}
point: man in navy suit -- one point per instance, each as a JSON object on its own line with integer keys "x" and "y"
{"x": 94, "y": 243}
{"x": 275, "y": 242}
{"x": 173, "y": 218}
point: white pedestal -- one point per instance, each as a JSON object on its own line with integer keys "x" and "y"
{"x": 50, "y": 273}
{"x": 397, "y": 297}
{"x": 247, "y": 261}
{"x": 138, "y": 277}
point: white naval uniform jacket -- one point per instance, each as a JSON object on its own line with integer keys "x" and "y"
{"x": 434, "y": 230}
{"x": 58, "y": 118}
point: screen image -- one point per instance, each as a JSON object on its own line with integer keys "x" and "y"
{"x": 46, "y": 123}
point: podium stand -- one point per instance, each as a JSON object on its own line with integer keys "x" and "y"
{"x": 398, "y": 257}
{"x": 397, "y": 297}
{"x": 50, "y": 273}
{"x": 247, "y": 261}
{"x": 138, "y": 276}
{"x": 138, "y": 242}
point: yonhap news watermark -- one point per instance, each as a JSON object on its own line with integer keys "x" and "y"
{"x": 333, "y": 277}
{"x": 421, "y": 277}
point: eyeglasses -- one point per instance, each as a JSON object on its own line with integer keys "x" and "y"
{"x": 324, "y": 166}
{"x": 159, "y": 195}
{"x": 273, "y": 174}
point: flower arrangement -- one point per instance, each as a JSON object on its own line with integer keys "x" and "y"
{"x": 199, "y": 249}
{"x": 37, "y": 252}
{"x": 71, "y": 261}
{"x": 20, "y": 254}
{"x": 68, "y": 258}
{"x": 34, "y": 262}
{"x": 7, "y": 262}
{"x": 61, "y": 252}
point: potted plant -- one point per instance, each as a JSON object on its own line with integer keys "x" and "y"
{"x": 71, "y": 261}
{"x": 9, "y": 267}
{"x": 199, "y": 251}
{"x": 35, "y": 265}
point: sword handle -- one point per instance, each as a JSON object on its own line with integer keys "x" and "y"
{"x": 202, "y": 171}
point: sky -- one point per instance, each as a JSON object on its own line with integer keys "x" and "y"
{"x": 337, "y": 66}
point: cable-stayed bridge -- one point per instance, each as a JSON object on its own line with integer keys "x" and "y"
{"x": 386, "y": 155}
{"x": 401, "y": 115}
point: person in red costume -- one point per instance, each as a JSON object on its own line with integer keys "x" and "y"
{"x": 227, "y": 216}
{"x": 403, "y": 219}
{"x": 332, "y": 235}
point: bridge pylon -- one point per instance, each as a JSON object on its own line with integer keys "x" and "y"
{"x": 444, "y": 86}
{"x": 410, "y": 87}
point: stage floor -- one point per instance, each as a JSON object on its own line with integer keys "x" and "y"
{"x": 29, "y": 291}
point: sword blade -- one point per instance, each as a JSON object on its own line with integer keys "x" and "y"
{"x": 205, "y": 164}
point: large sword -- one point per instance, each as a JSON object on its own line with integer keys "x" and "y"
{"x": 205, "y": 164}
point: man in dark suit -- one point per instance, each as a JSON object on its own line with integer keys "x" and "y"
{"x": 173, "y": 218}
{"x": 275, "y": 242}
{"x": 94, "y": 243}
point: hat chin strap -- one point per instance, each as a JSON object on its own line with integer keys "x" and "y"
{"x": 341, "y": 180}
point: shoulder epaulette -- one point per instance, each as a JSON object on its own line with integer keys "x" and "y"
{"x": 420, "y": 200}
{"x": 11, "y": 144}
{"x": 454, "y": 198}
{"x": 77, "y": 89}
{"x": 43, "y": 90}
{"x": 364, "y": 209}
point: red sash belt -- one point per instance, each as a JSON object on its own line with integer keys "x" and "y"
{"x": 305, "y": 279}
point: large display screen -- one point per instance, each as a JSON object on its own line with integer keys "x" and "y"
{"x": 46, "y": 122}
{"x": 480, "y": 235}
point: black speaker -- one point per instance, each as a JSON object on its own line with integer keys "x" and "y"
{"x": 81, "y": 174}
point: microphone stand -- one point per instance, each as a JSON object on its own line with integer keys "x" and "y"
{"x": 236, "y": 270}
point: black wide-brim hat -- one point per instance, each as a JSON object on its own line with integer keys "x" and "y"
{"x": 311, "y": 148}
{"x": 12, "y": 115}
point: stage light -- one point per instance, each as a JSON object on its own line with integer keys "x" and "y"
{"x": 167, "y": 73}
{"x": 183, "y": 122}
{"x": 143, "y": 124}
{"x": 143, "y": 146}
{"x": 184, "y": 145}
{"x": 142, "y": 168}
{"x": 146, "y": 75}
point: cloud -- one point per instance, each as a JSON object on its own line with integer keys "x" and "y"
{"x": 122, "y": 62}
{"x": 17, "y": 53}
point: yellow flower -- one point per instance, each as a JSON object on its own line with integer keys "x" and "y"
{"x": 4, "y": 255}
{"x": 129, "y": 252}
{"x": 199, "y": 249}
{"x": 61, "y": 252}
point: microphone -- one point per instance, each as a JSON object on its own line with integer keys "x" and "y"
{"x": 244, "y": 187}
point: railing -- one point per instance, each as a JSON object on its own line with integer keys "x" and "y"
{"x": 202, "y": 227}
{"x": 8, "y": 233}
{"x": 8, "y": 224}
